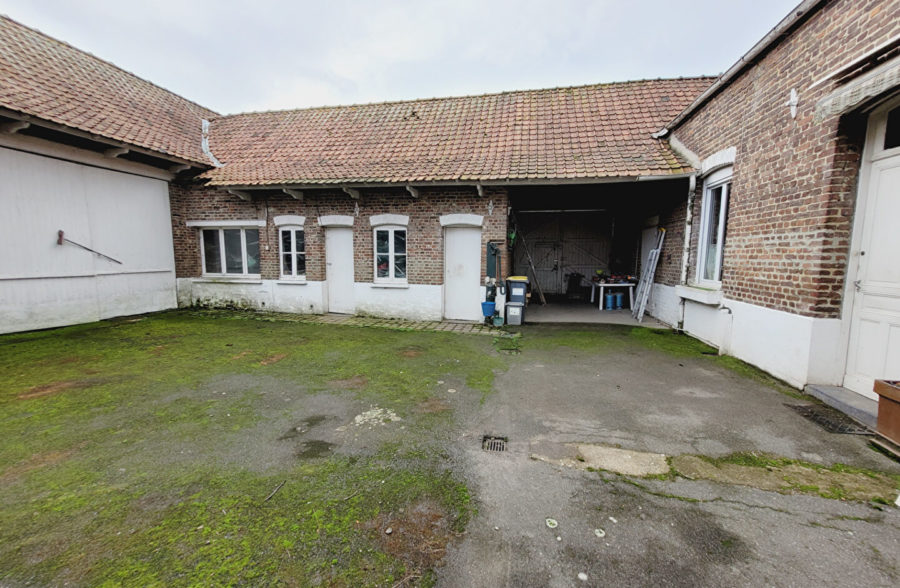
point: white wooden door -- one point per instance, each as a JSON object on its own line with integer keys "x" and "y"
{"x": 874, "y": 347}
{"x": 462, "y": 273}
{"x": 339, "y": 269}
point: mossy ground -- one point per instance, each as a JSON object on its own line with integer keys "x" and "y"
{"x": 122, "y": 462}
{"x": 141, "y": 451}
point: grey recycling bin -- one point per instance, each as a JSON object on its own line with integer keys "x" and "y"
{"x": 515, "y": 313}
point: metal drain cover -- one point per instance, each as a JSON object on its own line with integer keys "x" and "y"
{"x": 830, "y": 419}
{"x": 494, "y": 443}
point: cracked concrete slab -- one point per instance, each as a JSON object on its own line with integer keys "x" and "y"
{"x": 620, "y": 461}
{"x": 660, "y": 532}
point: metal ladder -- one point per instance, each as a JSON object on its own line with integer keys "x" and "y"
{"x": 646, "y": 281}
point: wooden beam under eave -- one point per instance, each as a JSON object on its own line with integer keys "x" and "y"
{"x": 115, "y": 152}
{"x": 351, "y": 192}
{"x": 412, "y": 191}
{"x": 14, "y": 126}
{"x": 295, "y": 194}
{"x": 246, "y": 196}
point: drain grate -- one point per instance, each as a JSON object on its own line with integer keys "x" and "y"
{"x": 833, "y": 421}
{"x": 493, "y": 443}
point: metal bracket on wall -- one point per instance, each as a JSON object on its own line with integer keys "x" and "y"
{"x": 61, "y": 238}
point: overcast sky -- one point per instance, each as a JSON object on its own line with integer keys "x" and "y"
{"x": 267, "y": 54}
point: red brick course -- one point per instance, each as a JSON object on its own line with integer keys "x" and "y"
{"x": 425, "y": 263}
{"x": 794, "y": 186}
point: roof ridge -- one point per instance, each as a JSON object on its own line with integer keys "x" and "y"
{"x": 463, "y": 96}
{"x": 106, "y": 62}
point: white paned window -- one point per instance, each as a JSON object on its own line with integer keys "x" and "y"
{"x": 293, "y": 253}
{"x": 390, "y": 254}
{"x": 230, "y": 251}
{"x": 713, "y": 220}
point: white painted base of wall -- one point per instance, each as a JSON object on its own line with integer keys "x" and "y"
{"x": 797, "y": 349}
{"x": 413, "y": 302}
{"x": 56, "y": 302}
{"x": 664, "y": 304}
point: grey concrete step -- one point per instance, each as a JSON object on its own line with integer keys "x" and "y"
{"x": 863, "y": 409}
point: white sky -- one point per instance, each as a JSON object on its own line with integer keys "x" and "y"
{"x": 268, "y": 54}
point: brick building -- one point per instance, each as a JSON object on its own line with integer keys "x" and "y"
{"x": 776, "y": 183}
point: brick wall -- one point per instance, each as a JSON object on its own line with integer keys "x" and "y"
{"x": 794, "y": 185}
{"x": 425, "y": 261}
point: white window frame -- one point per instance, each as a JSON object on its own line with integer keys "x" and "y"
{"x": 290, "y": 229}
{"x": 719, "y": 179}
{"x": 221, "y": 237}
{"x": 391, "y": 254}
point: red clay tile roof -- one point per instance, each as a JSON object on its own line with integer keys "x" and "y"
{"x": 596, "y": 131}
{"x": 48, "y": 79}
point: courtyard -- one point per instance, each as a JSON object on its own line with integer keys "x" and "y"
{"x": 212, "y": 447}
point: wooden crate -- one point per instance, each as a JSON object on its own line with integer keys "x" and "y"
{"x": 888, "y": 409}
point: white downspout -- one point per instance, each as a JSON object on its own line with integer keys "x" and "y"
{"x": 686, "y": 248}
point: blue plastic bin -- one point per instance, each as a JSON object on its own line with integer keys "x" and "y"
{"x": 487, "y": 308}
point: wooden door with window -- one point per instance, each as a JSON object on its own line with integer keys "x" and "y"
{"x": 874, "y": 346}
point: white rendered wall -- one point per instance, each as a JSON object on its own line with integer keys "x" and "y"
{"x": 414, "y": 302}
{"x": 125, "y": 216}
{"x": 797, "y": 349}
{"x": 664, "y": 304}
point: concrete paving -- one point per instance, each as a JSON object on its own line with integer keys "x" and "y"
{"x": 622, "y": 530}
{"x": 583, "y": 313}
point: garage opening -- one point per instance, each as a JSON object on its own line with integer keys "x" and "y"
{"x": 570, "y": 240}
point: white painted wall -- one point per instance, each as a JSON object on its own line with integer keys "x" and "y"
{"x": 413, "y": 302}
{"x": 125, "y": 216}
{"x": 664, "y": 304}
{"x": 797, "y": 349}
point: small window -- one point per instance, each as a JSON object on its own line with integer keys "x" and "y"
{"x": 293, "y": 253}
{"x": 713, "y": 220}
{"x": 390, "y": 254}
{"x": 230, "y": 251}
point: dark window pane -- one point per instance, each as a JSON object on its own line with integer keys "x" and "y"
{"x": 252, "y": 251}
{"x": 300, "y": 244}
{"x": 211, "y": 253}
{"x": 381, "y": 265}
{"x": 892, "y": 132}
{"x": 381, "y": 242}
{"x": 287, "y": 268}
{"x": 234, "y": 263}
{"x": 286, "y": 242}
{"x": 301, "y": 264}
{"x": 399, "y": 241}
{"x": 400, "y": 266}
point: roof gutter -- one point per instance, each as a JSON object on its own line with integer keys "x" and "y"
{"x": 772, "y": 38}
{"x": 453, "y": 183}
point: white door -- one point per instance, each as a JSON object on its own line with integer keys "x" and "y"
{"x": 339, "y": 269}
{"x": 462, "y": 273}
{"x": 874, "y": 349}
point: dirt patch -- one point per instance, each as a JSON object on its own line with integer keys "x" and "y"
{"x": 791, "y": 479}
{"x": 273, "y": 359}
{"x": 355, "y": 383}
{"x": 314, "y": 448}
{"x": 418, "y": 537}
{"x": 244, "y": 353}
{"x": 411, "y": 352}
{"x": 36, "y": 462}
{"x": 432, "y": 405}
{"x": 55, "y": 388}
